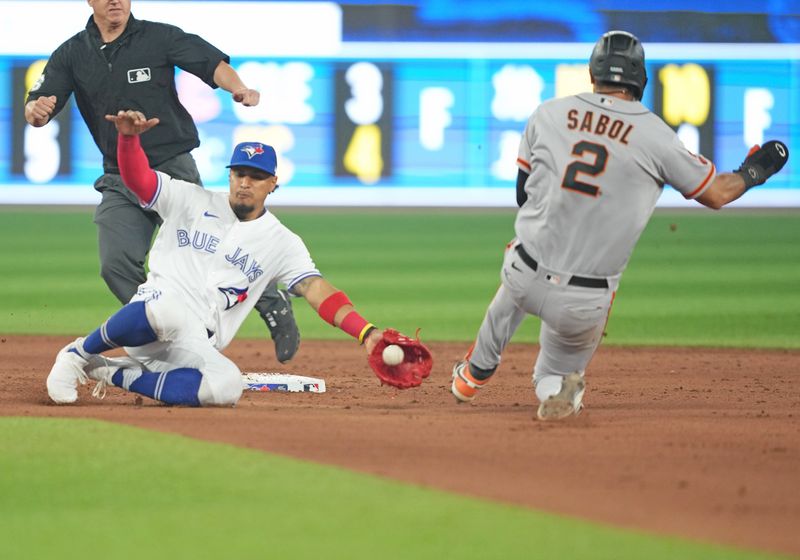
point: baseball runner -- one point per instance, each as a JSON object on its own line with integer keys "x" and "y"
{"x": 591, "y": 168}
{"x": 213, "y": 256}
{"x": 119, "y": 62}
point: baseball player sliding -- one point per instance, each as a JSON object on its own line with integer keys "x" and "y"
{"x": 591, "y": 168}
{"x": 212, "y": 258}
{"x": 119, "y": 61}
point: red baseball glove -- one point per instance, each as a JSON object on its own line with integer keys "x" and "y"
{"x": 416, "y": 365}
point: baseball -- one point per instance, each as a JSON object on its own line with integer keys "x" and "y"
{"x": 393, "y": 355}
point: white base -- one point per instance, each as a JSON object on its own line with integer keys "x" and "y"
{"x": 282, "y": 382}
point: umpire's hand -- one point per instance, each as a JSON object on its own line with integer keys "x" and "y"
{"x": 247, "y": 97}
{"x": 39, "y": 111}
{"x": 132, "y": 123}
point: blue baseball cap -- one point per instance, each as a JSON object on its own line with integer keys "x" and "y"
{"x": 255, "y": 154}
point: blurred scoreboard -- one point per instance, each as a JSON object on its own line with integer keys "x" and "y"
{"x": 416, "y": 128}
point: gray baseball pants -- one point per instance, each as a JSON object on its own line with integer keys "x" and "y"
{"x": 573, "y": 319}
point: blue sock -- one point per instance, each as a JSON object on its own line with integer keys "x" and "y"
{"x": 127, "y": 327}
{"x": 177, "y": 386}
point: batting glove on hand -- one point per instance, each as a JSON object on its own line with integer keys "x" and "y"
{"x": 762, "y": 163}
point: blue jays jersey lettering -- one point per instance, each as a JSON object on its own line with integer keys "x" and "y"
{"x": 203, "y": 241}
{"x": 246, "y": 263}
{"x": 198, "y": 240}
{"x": 218, "y": 264}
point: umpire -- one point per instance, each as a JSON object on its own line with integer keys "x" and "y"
{"x": 119, "y": 62}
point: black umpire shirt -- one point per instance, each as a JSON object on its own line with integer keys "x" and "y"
{"x": 136, "y": 71}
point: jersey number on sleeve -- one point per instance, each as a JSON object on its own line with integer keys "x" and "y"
{"x": 593, "y": 169}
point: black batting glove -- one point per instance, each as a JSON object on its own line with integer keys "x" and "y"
{"x": 762, "y": 163}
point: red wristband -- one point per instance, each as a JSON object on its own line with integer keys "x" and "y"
{"x": 333, "y": 303}
{"x": 356, "y": 326}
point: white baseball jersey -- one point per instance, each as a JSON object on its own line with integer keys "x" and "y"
{"x": 216, "y": 264}
{"x": 597, "y": 166}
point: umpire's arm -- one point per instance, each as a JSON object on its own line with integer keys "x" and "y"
{"x": 228, "y": 79}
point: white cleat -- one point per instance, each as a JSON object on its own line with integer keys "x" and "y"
{"x": 66, "y": 373}
{"x": 567, "y": 402}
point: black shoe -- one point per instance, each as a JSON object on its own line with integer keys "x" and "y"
{"x": 276, "y": 310}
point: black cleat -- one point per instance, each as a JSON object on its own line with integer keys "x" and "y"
{"x": 276, "y": 310}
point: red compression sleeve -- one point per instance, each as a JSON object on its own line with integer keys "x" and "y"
{"x": 135, "y": 169}
{"x": 328, "y": 308}
{"x": 353, "y": 324}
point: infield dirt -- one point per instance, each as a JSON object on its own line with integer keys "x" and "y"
{"x": 698, "y": 443}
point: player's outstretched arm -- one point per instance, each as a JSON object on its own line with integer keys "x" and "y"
{"x": 725, "y": 188}
{"x": 415, "y": 361}
{"x": 336, "y": 308}
{"x": 133, "y": 165}
{"x": 761, "y": 163}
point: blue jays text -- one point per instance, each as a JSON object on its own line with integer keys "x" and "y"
{"x": 206, "y": 242}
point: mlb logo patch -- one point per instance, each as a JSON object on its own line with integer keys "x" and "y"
{"x": 138, "y": 75}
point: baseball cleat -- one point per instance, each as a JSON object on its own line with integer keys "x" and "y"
{"x": 66, "y": 373}
{"x": 103, "y": 369}
{"x": 568, "y": 401}
{"x": 465, "y": 386}
{"x": 282, "y": 327}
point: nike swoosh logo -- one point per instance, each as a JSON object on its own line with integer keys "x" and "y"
{"x": 208, "y": 214}
{"x": 514, "y": 266}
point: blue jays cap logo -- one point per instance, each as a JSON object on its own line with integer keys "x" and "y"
{"x": 254, "y": 154}
{"x": 252, "y": 150}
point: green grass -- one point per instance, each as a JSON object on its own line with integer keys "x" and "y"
{"x": 77, "y": 489}
{"x": 720, "y": 279}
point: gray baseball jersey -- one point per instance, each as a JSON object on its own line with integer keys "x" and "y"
{"x": 597, "y": 166}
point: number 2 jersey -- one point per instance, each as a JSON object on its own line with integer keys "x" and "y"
{"x": 597, "y": 165}
{"x": 217, "y": 265}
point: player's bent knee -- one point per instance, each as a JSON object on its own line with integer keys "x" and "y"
{"x": 166, "y": 318}
{"x": 221, "y": 390}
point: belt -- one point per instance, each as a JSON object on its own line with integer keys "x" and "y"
{"x": 582, "y": 281}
